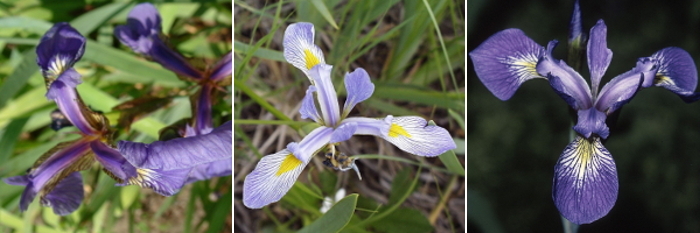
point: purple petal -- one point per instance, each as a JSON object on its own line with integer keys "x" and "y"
{"x": 113, "y": 161}
{"x": 66, "y": 196}
{"x": 29, "y": 192}
{"x": 203, "y": 122}
{"x": 141, "y": 34}
{"x": 599, "y": 56}
{"x": 585, "y": 181}
{"x": 222, "y": 68}
{"x": 180, "y": 153}
{"x": 575, "y": 31}
{"x": 343, "y": 132}
{"x": 68, "y": 102}
{"x": 299, "y": 47}
{"x": 59, "y": 49}
{"x": 677, "y": 72}
{"x": 592, "y": 121}
{"x": 166, "y": 183}
{"x": 565, "y": 80}
{"x": 410, "y": 134}
{"x": 308, "y": 106}
{"x": 210, "y": 170}
{"x": 620, "y": 90}
{"x": 327, "y": 97}
{"x": 506, "y": 60}
{"x": 359, "y": 87}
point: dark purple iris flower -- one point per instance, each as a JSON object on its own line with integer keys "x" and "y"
{"x": 585, "y": 180}
{"x": 142, "y": 34}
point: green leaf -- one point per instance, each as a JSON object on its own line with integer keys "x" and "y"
{"x": 88, "y": 22}
{"x": 29, "y": 24}
{"x": 321, "y": 7}
{"x": 336, "y": 218}
{"x": 451, "y": 162}
{"x": 400, "y": 186}
{"x": 450, "y": 100}
{"x": 404, "y": 220}
{"x": 14, "y": 83}
{"x": 9, "y": 137}
{"x": 264, "y": 53}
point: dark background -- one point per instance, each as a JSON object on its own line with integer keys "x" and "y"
{"x": 512, "y": 146}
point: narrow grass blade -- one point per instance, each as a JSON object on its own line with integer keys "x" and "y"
{"x": 321, "y": 7}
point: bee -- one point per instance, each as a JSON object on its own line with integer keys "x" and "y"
{"x": 340, "y": 161}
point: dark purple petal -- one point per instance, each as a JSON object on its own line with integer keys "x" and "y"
{"x": 59, "y": 49}
{"x": 180, "y": 153}
{"x": 592, "y": 121}
{"x": 506, "y": 60}
{"x": 222, "y": 68}
{"x": 677, "y": 72}
{"x": 620, "y": 90}
{"x": 29, "y": 192}
{"x": 575, "y": 31}
{"x": 68, "y": 102}
{"x": 113, "y": 161}
{"x": 203, "y": 122}
{"x": 585, "y": 181}
{"x": 565, "y": 80}
{"x": 66, "y": 196}
{"x": 599, "y": 56}
{"x": 141, "y": 34}
{"x": 359, "y": 88}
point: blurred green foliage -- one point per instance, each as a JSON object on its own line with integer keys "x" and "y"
{"x": 513, "y": 145}
{"x": 112, "y": 74}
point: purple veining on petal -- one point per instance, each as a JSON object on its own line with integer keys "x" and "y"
{"x": 585, "y": 181}
{"x": 506, "y": 60}
{"x": 66, "y": 196}
{"x": 359, "y": 88}
{"x": 677, "y": 72}
{"x": 59, "y": 49}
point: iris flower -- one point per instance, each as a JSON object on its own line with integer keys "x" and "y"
{"x": 54, "y": 176}
{"x": 209, "y": 150}
{"x": 275, "y": 174}
{"x": 585, "y": 180}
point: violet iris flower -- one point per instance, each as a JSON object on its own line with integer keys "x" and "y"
{"x": 208, "y": 149}
{"x": 54, "y": 176}
{"x": 585, "y": 180}
{"x": 276, "y": 173}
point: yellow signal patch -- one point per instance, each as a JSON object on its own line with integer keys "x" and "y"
{"x": 290, "y": 162}
{"x": 397, "y": 130}
{"x": 311, "y": 59}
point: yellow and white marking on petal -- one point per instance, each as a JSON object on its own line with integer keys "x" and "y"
{"x": 396, "y": 130}
{"x": 310, "y": 59}
{"x": 289, "y": 163}
{"x": 524, "y": 66}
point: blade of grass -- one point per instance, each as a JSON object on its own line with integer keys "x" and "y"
{"x": 442, "y": 41}
{"x": 321, "y": 7}
{"x": 19, "y": 77}
{"x": 9, "y": 137}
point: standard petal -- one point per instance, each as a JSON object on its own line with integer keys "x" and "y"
{"x": 677, "y": 72}
{"x": 585, "y": 181}
{"x": 271, "y": 179}
{"x": 69, "y": 103}
{"x": 359, "y": 88}
{"x": 599, "y": 56}
{"x": 180, "y": 153}
{"x": 222, "y": 68}
{"x": 59, "y": 49}
{"x": 66, "y": 196}
{"x": 506, "y": 60}
{"x": 565, "y": 80}
{"x": 203, "y": 105}
{"x": 591, "y": 121}
{"x": 620, "y": 90}
{"x": 327, "y": 97}
{"x": 410, "y": 134}
{"x": 308, "y": 106}
{"x": 142, "y": 22}
{"x": 299, "y": 47}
